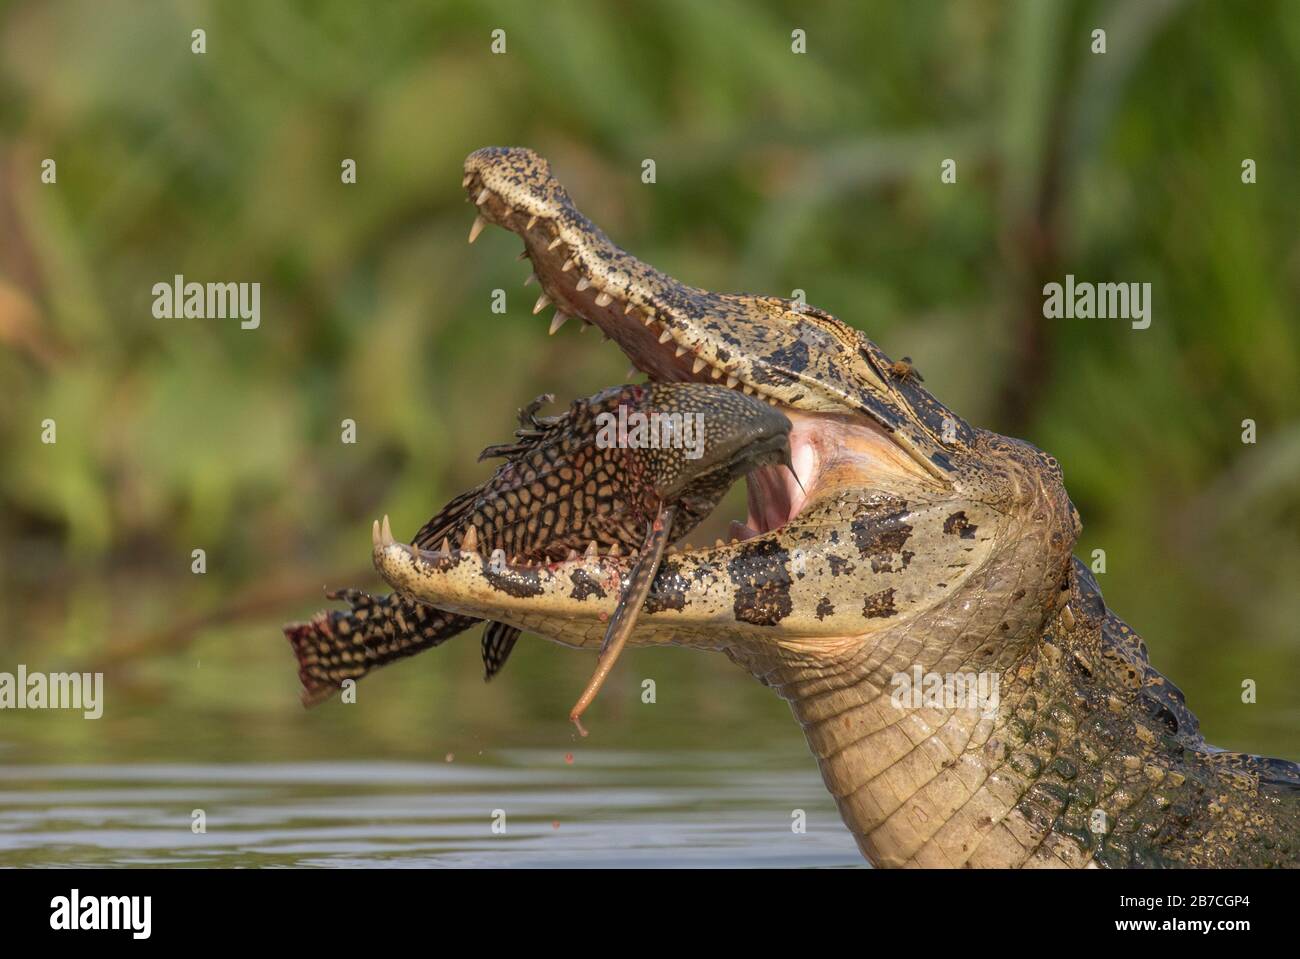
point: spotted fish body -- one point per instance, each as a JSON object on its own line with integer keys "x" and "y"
{"x": 591, "y": 479}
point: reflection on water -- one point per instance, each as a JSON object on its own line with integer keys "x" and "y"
{"x": 601, "y": 809}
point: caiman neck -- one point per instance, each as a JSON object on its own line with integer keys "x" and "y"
{"x": 918, "y": 781}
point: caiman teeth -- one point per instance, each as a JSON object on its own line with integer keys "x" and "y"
{"x": 374, "y": 535}
{"x": 386, "y": 532}
{"x": 469, "y": 543}
{"x": 610, "y": 289}
{"x": 592, "y": 552}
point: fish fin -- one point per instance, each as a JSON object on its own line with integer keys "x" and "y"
{"x": 341, "y": 644}
{"x": 498, "y": 641}
{"x": 629, "y": 606}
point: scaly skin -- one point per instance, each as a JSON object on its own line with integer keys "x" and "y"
{"x": 565, "y": 486}
{"x": 922, "y": 542}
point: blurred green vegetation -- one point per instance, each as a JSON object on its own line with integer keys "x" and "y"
{"x": 775, "y": 171}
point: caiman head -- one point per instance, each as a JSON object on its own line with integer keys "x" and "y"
{"x": 901, "y": 513}
{"x": 906, "y": 537}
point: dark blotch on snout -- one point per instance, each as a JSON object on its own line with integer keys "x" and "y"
{"x": 761, "y": 574}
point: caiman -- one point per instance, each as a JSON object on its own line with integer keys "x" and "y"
{"x": 629, "y": 468}
{"x": 911, "y": 544}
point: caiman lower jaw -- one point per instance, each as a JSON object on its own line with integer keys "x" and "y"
{"x": 783, "y": 581}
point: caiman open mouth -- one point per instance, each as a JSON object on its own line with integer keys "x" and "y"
{"x": 669, "y": 331}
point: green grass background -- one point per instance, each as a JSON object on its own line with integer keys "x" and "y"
{"x": 775, "y": 171}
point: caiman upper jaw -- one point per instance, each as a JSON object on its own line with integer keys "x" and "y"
{"x": 776, "y": 349}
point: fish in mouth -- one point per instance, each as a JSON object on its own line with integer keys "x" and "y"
{"x": 904, "y": 541}
{"x": 622, "y": 472}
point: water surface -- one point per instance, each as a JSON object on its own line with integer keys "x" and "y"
{"x": 603, "y": 808}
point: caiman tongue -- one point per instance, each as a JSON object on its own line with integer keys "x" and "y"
{"x": 776, "y": 494}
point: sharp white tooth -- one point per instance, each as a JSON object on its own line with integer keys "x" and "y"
{"x": 531, "y": 278}
{"x": 558, "y": 321}
{"x": 477, "y": 228}
{"x": 523, "y": 255}
{"x": 568, "y": 265}
{"x": 483, "y": 194}
{"x": 681, "y": 351}
{"x": 553, "y": 244}
{"x": 604, "y": 299}
{"x": 465, "y": 182}
{"x": 446, "y": 546}
{"x": 615, "y": 551}
{"x": 510, "y": 211}
{"x": 470, "y": 543}
{"x": 532, "y": 222}
{"x": 666, "y": 335}
{"x": 649, "y": 320}
{"x": 698, "y": 365}
{"x": 732, "y": 381}
{"x": 374, "y": 534}
{"x": 650, "y": 316}
{"x": 542, "y": 302}
{"x": 583, "y": 283}
{"x": 716, "y": 373}
{"x": 591, "y": 552}
{"x": 718, "y": 542}
{"x": 584, "y": 327}
{"x": 386, "y": 531}
{"x": 631, "y": 372}
{"x": 629, "y": 307}
{"x": 573, "y": 554}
